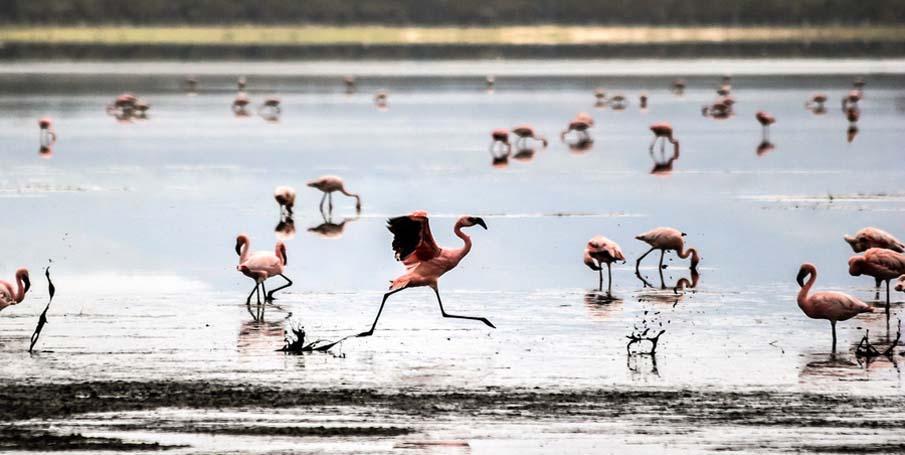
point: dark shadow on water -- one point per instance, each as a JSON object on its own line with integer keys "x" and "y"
{"x": 525, "y": 155}
{"x": 285, "y": 229}
{"x": 581, "y": 146}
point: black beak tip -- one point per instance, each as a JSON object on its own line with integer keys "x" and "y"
{"x": 480, "y": 222}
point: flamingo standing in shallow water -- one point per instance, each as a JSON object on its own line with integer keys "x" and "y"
{"x": 260, "y": 266}
{"x": 663, "y": 239}
{"x": 581, "y": 123}
{"x": 349, "y": 82}
{"x": 240, "y": 104}
{"x": 285, "y": 197}
{"x": 329, "y": 184}
{"x": 10, "y": 295}
{"x": 500, "y": 136}
{"x": 424, "y": 260}
{"x": 380, "y": 99}
{"x": 663, "y": 131}
{"x": 678, "y": 86}
{"x": 833, "y": 306}
{"x": 601, "y": 250}
{"x": 882, "y": 264}
{"x": 47, "y": 134}
{"x": 815, "y": 104}
{"x": 524, "y": 132}
{"x": 765, "y": 121}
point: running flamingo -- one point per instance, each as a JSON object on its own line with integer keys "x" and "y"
{"x": 330, "y": 183}
{"x": 424, "y": 260}
{"x": 11, "y": 296}
{"x": 663, "y": 239}
{"x": 663, "y": 131}
{"x": 833, "y": 306}
{"x": 602, "y": 250}
{"x": 285, "y": 196}
{"x": 526, "y": 131}
{"x": 260, "y": 266}
{"x": 882, "y": 264}
{"x": 765, "y": 121}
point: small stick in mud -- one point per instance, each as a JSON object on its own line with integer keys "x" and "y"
{"x": 43, "y": 318}
{"x": 296, "y": 344}
{"x": 866, "y": 349}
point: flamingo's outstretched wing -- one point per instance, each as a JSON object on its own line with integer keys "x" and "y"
{"x": 412, "y": 239}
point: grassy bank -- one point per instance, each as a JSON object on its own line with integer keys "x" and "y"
{"x": 477, "y": 36}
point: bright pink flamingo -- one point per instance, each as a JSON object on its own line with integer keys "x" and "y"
{"x": 240, "y": 104}
{"x": 47, "y": 135}
{"x": 500, "y": 136}
{"x": 285, "y": 197}
{"x": 882, "y": 264}
{"x": 871, "y": 237}
{"x": 765, "y": 121}
{"x": 425, "y": 261}
{"x": 833, "y": 306}
{"x": 601, "y": 250}
{"x": 11, "y": 296}
{"x": 525, "y": 132}
{"x": 663, "y": 239}
{"x": 260, "y": 266}
{"x": 663, "y": 131}
{"x": 329, "y": 184}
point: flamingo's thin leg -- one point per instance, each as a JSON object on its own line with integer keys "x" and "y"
{"x": 652, "y": 144}
{"x": 833, "y": 324}
{"x": 380, "y": 310}
{"x": 447, "y": 315}
{"x": 288, "y": 283}
{"x": 248, "y": 300}
{"x": 330, "y": 201}
{"x": 323, "y": 198}
{"x": 600, "y": 275}
{"x": 264, "y": 291}
{"x": 638, "y": 262}
{"x": 609, "y": 277}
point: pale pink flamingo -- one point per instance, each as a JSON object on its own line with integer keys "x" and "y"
{"x": 882, "y": 264}
{"x": 270, "y": 107}
{"x": 10, "y": 295}
{"x": 581, "y": 123}
{"x": 815, "y": 104}
{"x": 349, "y": 82}
{"x": 720, "y": 109}
{"x": 765, "y": 121}
{"x": 871, "y": 237}
{"x": 329, "y": 184}
{"x": 425, "y": 261}
{"x": 285, "y": 197}
{"x": 500, "y": 136}
{"x": 663, "y": 131}
{"x": 524, "y": 132}
{"x": 122, "y": 106}
{"x": 240, "y": 104}
{"x": 600, "y": 96}
{"x": 832, "y": 306}
{"x": 663, "y": 239}
{"x": 260, "y": 266}
{"x": 618, "y": 102}
{"x": 381, "y": 98}
{"x": 678, "y": 86}
{"x": 47, "y": 135}
{"x": 601, "y": 250}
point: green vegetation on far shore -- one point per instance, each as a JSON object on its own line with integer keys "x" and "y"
{"x": 383, "y": 35}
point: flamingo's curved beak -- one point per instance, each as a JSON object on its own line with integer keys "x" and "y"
{"x": 239, "y": 248}
{"x": 27, "y": 282}
{"x": 800, "y": 278}
{"x": 480, "y": 222}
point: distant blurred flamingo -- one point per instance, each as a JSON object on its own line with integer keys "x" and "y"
{"x": 601, "y": 250}
{"x": 47, "y": 135}
{"x": 833, "y": 306}
{"x": 663, "y": 131}
{"x": 600, "y": 96}
{"x": 350, "y": 83}
{"x": 270, "y": 107}
{"x": 816, "y": 103}
{"x": 851, "y": 99}
{"x": 240, "y": 104}
{"x": 240, "y": 83}
{"x": 678, "y": 86}
{"x": 765, "y": 121}
{"x": 499, "y": 136}
{"x": 380, "y": 99}
{"x": 526, "y": 131}
{"x": 12, "y": 296}
{"x": 882, "y": 264}
{"x": 642, "y": 101}
{"x": 285, "y": 197}
{"x": 329, "y": 184}
{"x": 489, "y": 82}
{"x": 424, "y": 260}
{"x": 581, "y": 123}
{"x": 618, "y": 102}
{"x": 261, "y": 265}
{"x": 191, "y": 85}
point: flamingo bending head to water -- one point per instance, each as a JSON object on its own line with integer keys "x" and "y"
{"x": 667, "y": 239}
{"x": 425, "y": 261}
{"x": 285, "y": 197}
{"x": 882, "y": 264}
{"x": 260, "y": 266}
{"x": 525, "y": 132}
{"x": 765, "y": 121}
{"x": 601, "y": 250}
{"x": 832, "y": 306}
{"x": 329, "y": 184}
{"x": 10, "y": 295}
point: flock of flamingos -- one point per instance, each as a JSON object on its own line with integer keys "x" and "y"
{"x": 425, "y": 261}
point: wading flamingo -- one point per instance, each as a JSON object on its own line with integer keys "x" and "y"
{"x": 285, "y": 197}
{"x": 349, "y": 82}
{"x": 500, "y": 136}
{"x": 663, "y": 131}
{"x": 815, "y": 104}
{"x": 678, "y": 86}
{"x": 380, "y": 99}
{"x": 600, "y": 96}
{"x": 489, "y": 82}
{"x": 765, "y": 121}
{"x": 47, "y": 134}
{"x": 663, "y": 239}
{"x": 11, "y": 296}
{"x": 581, "y": 123}
{"x": 260, "y": 266}
{"x": 618, "y": 102}
{"x": 330, "y": 183}
{"x": 270, "y": 107}
{"x": 191, "y": 85}
{"x": 240, "y": 83}
{"x": 240, "y": 104}
{"x": 832, "y": 306}
{"x": 524, "y": 132}
{"x": 601, "y": 250}
{"x": 851, "y": 99}
{"x": 642, "y": 101}
{"x": 882, "y": 264}
{"x": 424, "y": 260}
{"x": 871, "y": 237}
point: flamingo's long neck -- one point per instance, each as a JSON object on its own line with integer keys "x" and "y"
{"x": 280, "y": 252}
{"x": 690, "y": 251}
{"x": 803, "y": 301}
{"x": 461, "y": 252}
{"x": 246, "y": 245}
{"x": 343, "y": 190}
{"x": 20, "y": 294}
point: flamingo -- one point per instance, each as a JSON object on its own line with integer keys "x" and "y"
{"x": 12, "y": 296}
{"x": 663, "y": 131}
{"x": 765, "y": 121}
{"x": 833, "y": 306}
{"x": 724, "y": 90}
{"x": 122, "y": 106}
{"x": 853, "y": 114}
{"x": 815, "y": 104}
{"x": 489, "y": 82}
{"x": 270, "y": 107}
{"x": 526, "y": 131}
{"x": 141, "y": 108}
{"x": 663, "y": 239}
{"x": 618, "y": 102}
{"x": 240, "y": 103}
{"x": 678, "y": 86}
{"x": 47, "y": 134}
{"x": 600, "y": 96}
{"x": 882, "y": 264}
{"x": 285, "y": 197}
{"x": 602, "y": 250}
{"x": 425, "y": 261}
{"x": 261, "y": 265}
{"x": 380, "y": 99}
{"x": 330, "y": 183}
{"x": 191, "y": 85}
{"x": 871, "y": 237}
{"x": 500, "y": 136}
{"x": 349, "y": 82}
{"x": 642, "y": 101}
{"x": 240, "y": 83}
{"x": 581, "y": 123}
{"x": 851, "y": 99}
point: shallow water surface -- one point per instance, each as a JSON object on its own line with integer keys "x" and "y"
{"x": 138, "y": 222}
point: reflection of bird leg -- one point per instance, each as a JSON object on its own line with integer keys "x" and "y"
{"x": 652, "y": 144}
{"x": 447, "y": 315}
{"x": 330, "y": 203}
{"x": 288, "y": 283}
{"x": 323, "y": 198}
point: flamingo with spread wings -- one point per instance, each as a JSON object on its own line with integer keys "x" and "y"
{"x": 424, "y": 260}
